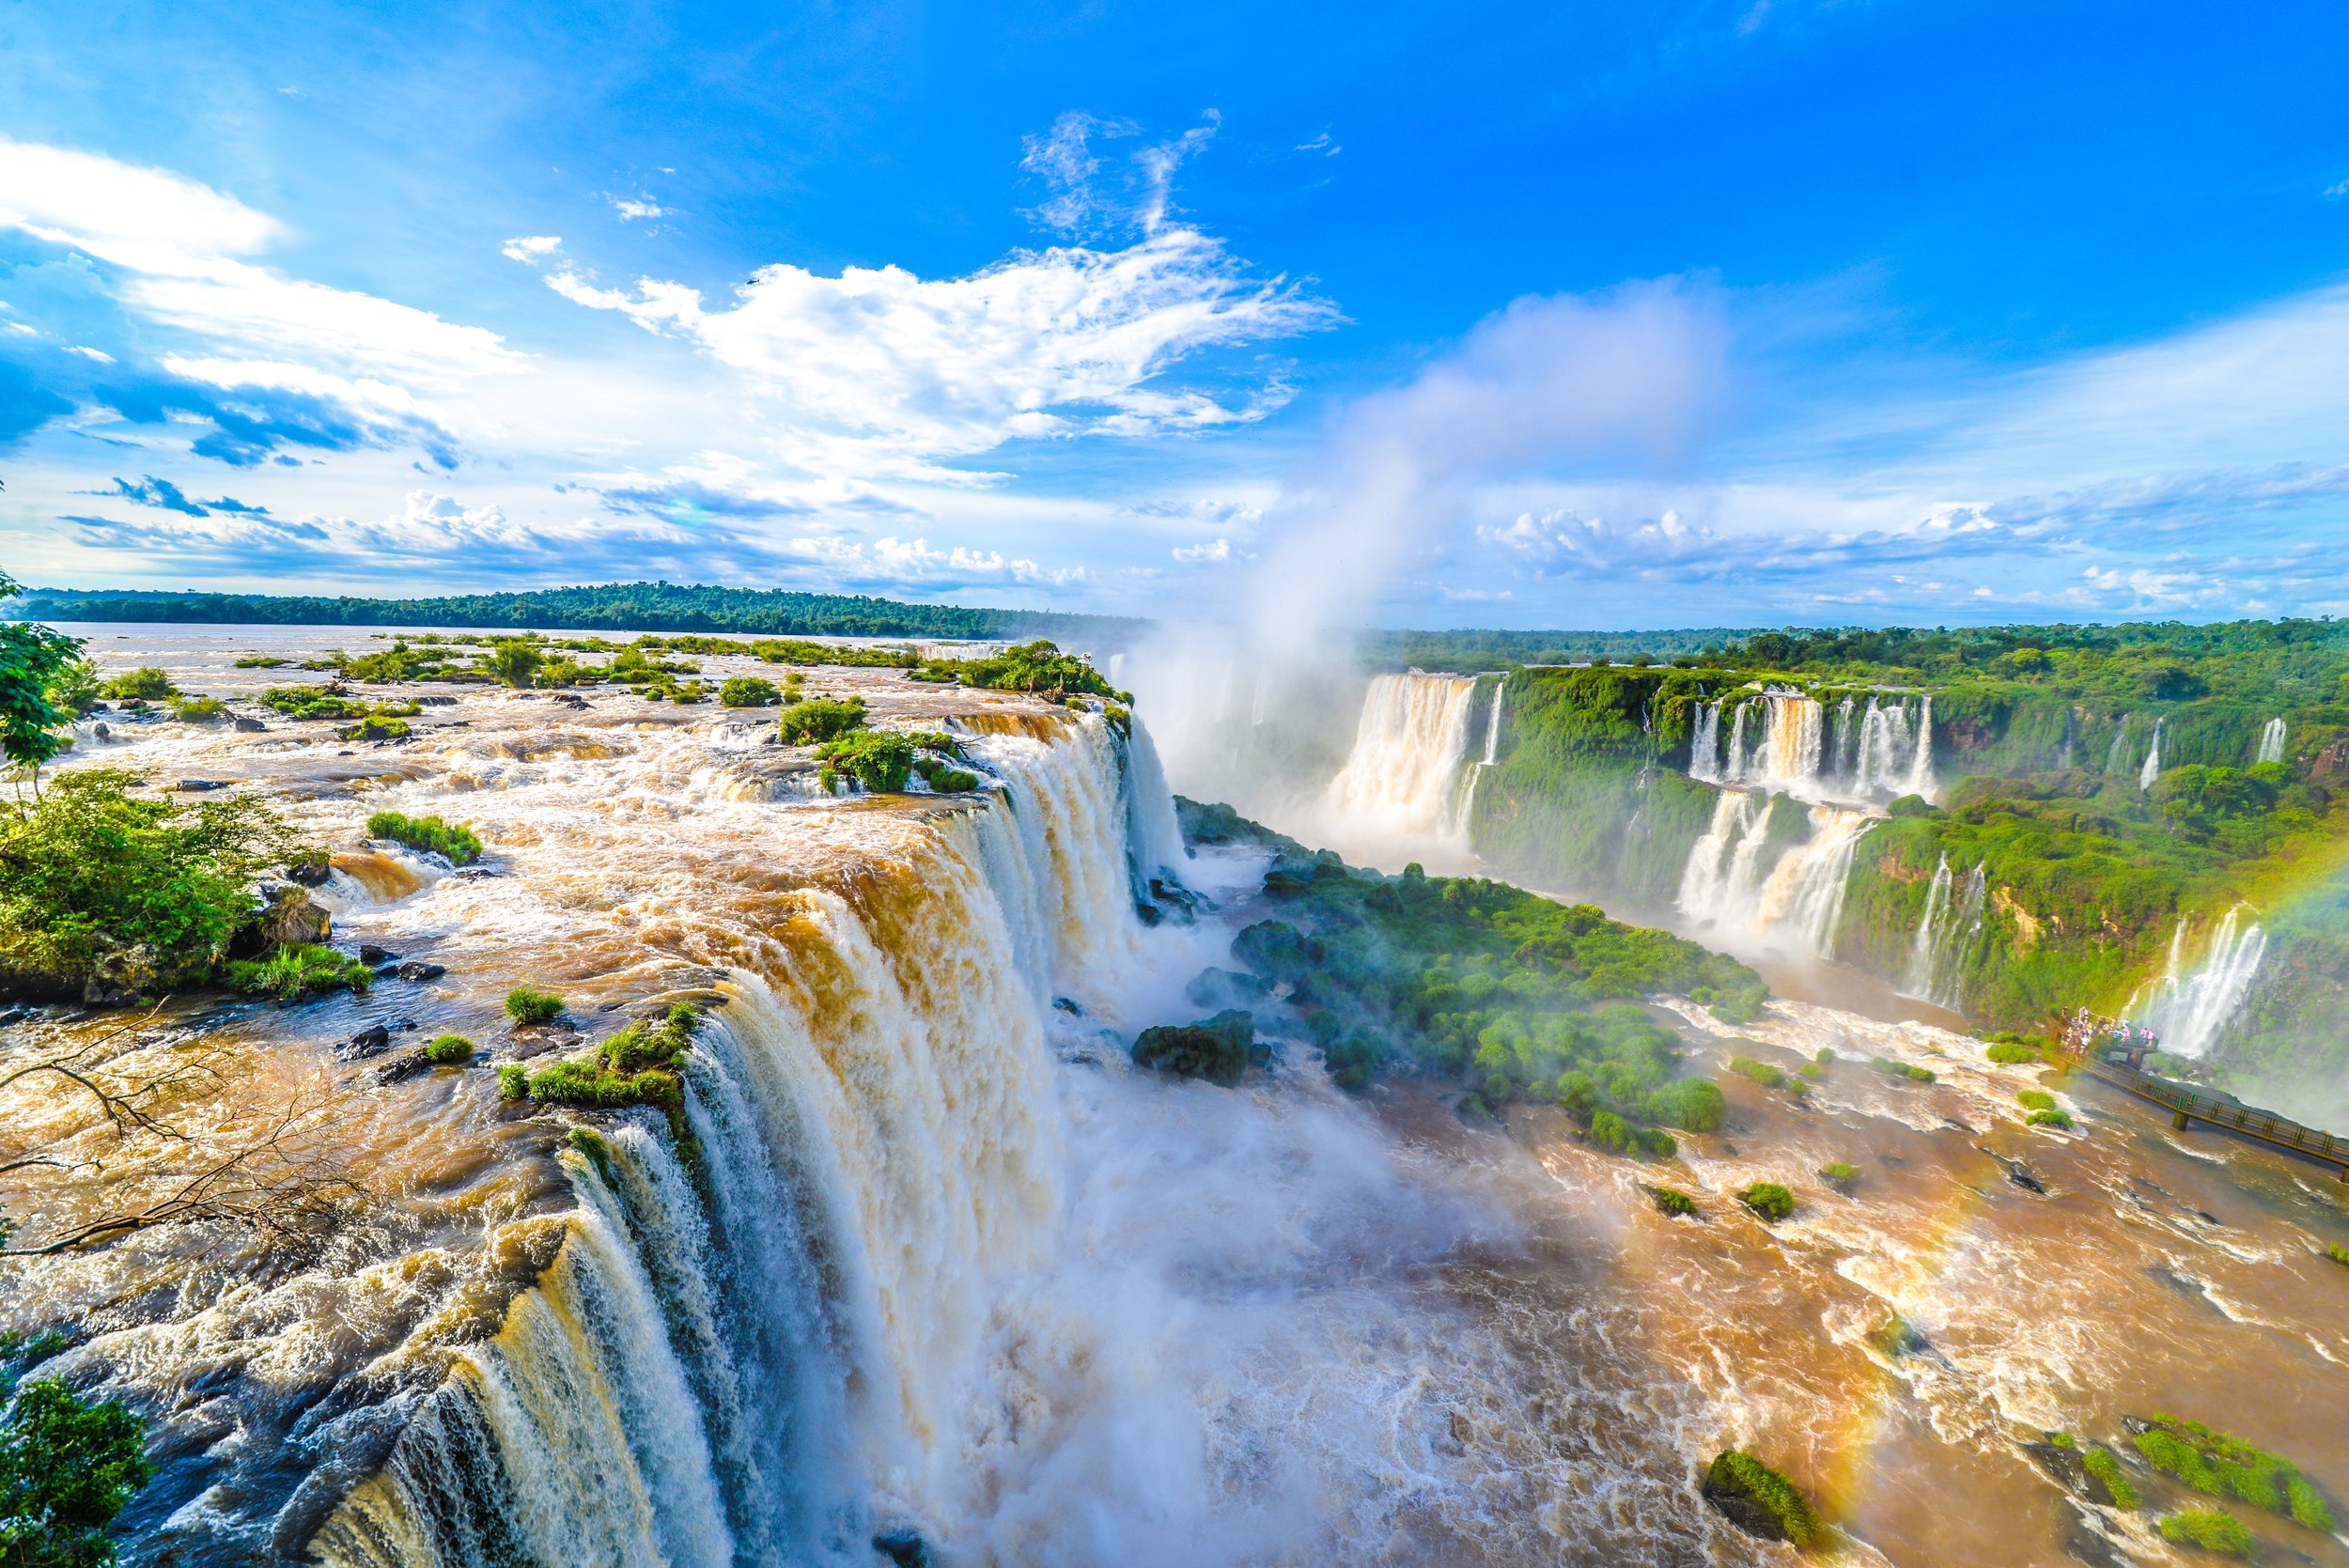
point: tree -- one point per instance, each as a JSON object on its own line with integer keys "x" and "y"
{"x": 511, "y": 661}
{"x": 33, "y": 658}
{"x": 66, "y": 1467}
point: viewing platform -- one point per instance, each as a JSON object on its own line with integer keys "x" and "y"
{"x": 2186, "y": 1103}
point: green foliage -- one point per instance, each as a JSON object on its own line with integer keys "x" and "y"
{"x": 2222, "y": 1465}
{"x": 66, "y": 1467}
{"x": 1670, "y": 1202}
{"x": 748, "y": 691}
{"x": 1770, "y": 1200}
{"x": 312, "y": 702}
{"x": 1218, "y": 1049}
{"x": 261, "y": 661}
{"x": 1741, "y": 1475}
{"x": 2214, "y": 1530}
{"x": 527, "y": 1006}
{"x": 642, "y": 1064}
{"x": 42, "y": 683}
{"x": 947, "y": 779}
{"x": 1893, "y": 1068}
{"x": 449, "y": 1050}
{"x": 2011, "y": 1053}
{"x": 2105, "y": 1468}
{"x": 145, "y": 684}
{"x": 455, "y": 841}
{"x": 295, "y": 970}
{"x": 72, "y": 686}
{"x": 881, "y": 760}
{"x": 1762, "y": 1073}
{"x": 377, "y": 726}
{"x": 145, "y": 892}
{"x": 513, "y": 1082}
{"x": 2339, "y": 1254}
{"x": 511, "y": 661}
{"x": 198, "y": 710}
{"x": 1038, "y": 666}
{"x": 2034, "y": 1100}
{"x": 2054, "y": 1117}
{"x": 818, "y": 720}
{"x": 1691, "y": 1104}
{"x": 1841, "y": 1173}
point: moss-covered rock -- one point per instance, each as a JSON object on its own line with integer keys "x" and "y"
{"x": 1759, "y": 1500}
{"x": 1218, "y": 1049}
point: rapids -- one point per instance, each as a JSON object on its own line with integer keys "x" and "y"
{"x": 936, "y": 1261}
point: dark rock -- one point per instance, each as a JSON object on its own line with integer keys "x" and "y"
{"x": 1215, "y": 987}
{"x": 372, "y": 1041}
{"x": 1068, "y": 1006}
{"x": 2085, "y": 1545}
{"x": 371, "y": 954}
{"x": 471, "y": 873}
{"x": 250, "y": 726}
{"x": 904, "y": 1547}
{"x": 407, "y": 1065}
{"x": 1218, "y": 1049}
{"x": 1743, "y": 1512}
{"x": 416, "y": 968}
{"x": 1148, "y": 914}
{"x": 197, "y": 786}
{"x": 311, "y": 871}
{"x": 2023, "y": 1176}
{"x": 437, "y": 702}
{"x": 285, "y": 916}
{"x": 101, "y": 730}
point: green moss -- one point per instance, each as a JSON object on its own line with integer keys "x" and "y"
{"x": 527, "y": 1006}
{"x": 2339, "y": 1254}
{"x": 1670, "y": 1202}
{"x": 1741, "y": 1476}
{"x": 513, "y": 1082}
{"x": 1840, "y": 1173}
{"x": 1770, "y": 1200}
{"x": 2212, "y": 1529}
{"x": 2223, "y": 1465}
{"x": 259, "y": 661}
{"x": 2107, "y": 1468}
{"x": 2010, "y": 1054}
{"x": 1891, "y": 1067}
{"x": 295, "y": 970}
{"x": 456, "y": 841}
{"x": 2052, "y": 1118}
{"x": 1218, "y": 1049}
{"x": 2034, "y": 1100}
{"x": 449, "y": 1050}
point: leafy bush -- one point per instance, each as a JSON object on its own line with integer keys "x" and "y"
{"x": 145, "y": 684}
{"x": 511, "y": 661}
{"x": 198, "y": 710}
{"x": 1840, "y": 1173}
{"x": 2053, "y": 1117}
{"x": 513, "y": 1082}
{"x": 1670, "y": 1202}
{"x": 144, "y": 892}
{"x": 642, "y": 1064}
{"x": 748, "y": 691}
{"x": 2214, "y": 1530}
{"x": 2034, "y": 1100}
{"x": 818, "y": 720}
{"x": 296, "y": 971}
{"x": 1892, "y": 1067}
{"x": 2011, "y": 1053}
{"x": 527, "y": 1006}
{"x": 881, "y": 760}
{"x": 66, "y": 1467}
{"x": 456, "y": 841}
{"x": 1218, "y": 1048}
{"x": 1691, "y": 1104}
{"x": 1741, "y": 1476}
{"x": 1770, "y": 1200}
{"x": 2222, "y": 1465}
{"x": 1038, "y": 666}
{"x": 377, "y": 726}
{"x": 1761, "y": 1072}
{"x": 259, "y": 661}
{"x": 447, "y": 1050}
{"x": 312, "y": 702}
{"x": 2339, "y": 1254}
{"x": 2105, "y": 1468}
{"x": 948, "y": 780}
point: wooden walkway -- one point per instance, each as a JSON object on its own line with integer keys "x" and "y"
{"x": 2186, "y": 1105}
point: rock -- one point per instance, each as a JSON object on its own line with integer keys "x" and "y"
{"x": 1218, "y": 1049}
{"x": 407, "y": 1065}
{"x": 372, "y": 1041}
{"x": 197, "y": 786}
{"x": 285, "y": 916}
{"x": 1219, "y": 988}
{"x": 102, "y": 730}
{"x": 249, "y": 727}
{"x": 1069, "y": 1007}
{"x": 416, "y": 968}
{"x": 312, "y": 870}
{"x": 371, "y": 954}
{"x": 904, "y": 1547}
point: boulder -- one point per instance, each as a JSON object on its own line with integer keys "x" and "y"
{"x": 1218, "y": 1049}
{"x": 287, "y": 916}
{"x": 416, "y": 968}
{"x": 371, "y": 954}
{"x": 371, "y": 1041}
{"x": 312, "y": 870}
{"x": 249, "y": 727}
{"x": 197, "y": 786}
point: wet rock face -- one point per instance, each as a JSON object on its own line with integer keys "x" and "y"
{"x": 1743, "y": 1512}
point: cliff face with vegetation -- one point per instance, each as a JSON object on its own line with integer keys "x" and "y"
{"x": 2088, "y": 859}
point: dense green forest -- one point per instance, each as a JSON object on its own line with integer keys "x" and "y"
{"x": 622, "y": 607}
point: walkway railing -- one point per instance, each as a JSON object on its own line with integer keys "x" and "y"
{"x": 2186, "y": 1105}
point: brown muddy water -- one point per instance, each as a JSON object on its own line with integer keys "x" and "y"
{"x": 938, "y": 1261}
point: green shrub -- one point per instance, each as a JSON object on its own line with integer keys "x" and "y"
{"x": 2010, "y": 1054}
{"x": 748, "y": 691}
{"x": 455, "y": 841}
{"x": 447, "y": 1050}
{"x": 527, "y": 1006}
{"x": 511, "y": 661}
{"x": 588, "y": 1142}
{"x": 1824, "y": 1056}
{"x": 198, "y": 710}
{"x": 881, "y": 760}
{"x": 145, "y": 684}
{"x": 66, "y": 1467}
{"x": 2105, "y": 1468}
{"x": 2339, "y": 1254}
{"x": 259, "y": 661}
{"x": 1218, "y": 1049}
{"x": 296, "y": 971}
{"x": 1762, "y": 1073}
{"x": 377, "y": 726}
{"x": 513, "y": 1082}
{"x": 1670, "y": 1202}
{"x": 1738, "y": 1475}
{"x": 1770, "y": 1200}
{"x": 2222, "y": 1466}
{"x": 1691, "y": 1104}
{"x": 2034, "y": 1100}
{"x": 96, "y": 884}
{"x": 818, "y": 720}
{"x": 2214, "y": 1530}
{"x": 2050, "y": 1118}
{"x": 1894, "y": 1069}
{"x": 1840, "y": 1173}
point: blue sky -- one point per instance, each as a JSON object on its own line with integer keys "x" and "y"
{"x": 1632, "y": 314}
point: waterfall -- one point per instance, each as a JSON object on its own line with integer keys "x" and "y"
{"x": 1402, "y": 775}
{"x": 1734, "y": 769}
{"x": 1887, "y": 754}
{"x": 1923, "y": 947}
{"x": 1492, "y": 723}
{"x": 766, "y": 1351}
{"x": 1792, "y": 745}
{"x": 2071, "y": 736}
{"x": 2186, "y": 1009}
{"x": 2271, "y": 742}
{"x": 1920, "y": 780}
{"x": 2114, "y": 753}
{"x": 2152, "y": 769}
{"x": 1704, "y": 743}
{"x": 1154, "y": 840}
{"x": 1846, "y": 741}
{"x": 1708, "y": 883}
{"x": 1795, "y": 902}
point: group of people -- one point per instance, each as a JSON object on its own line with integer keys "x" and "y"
{"x": 2087, "y": 1031}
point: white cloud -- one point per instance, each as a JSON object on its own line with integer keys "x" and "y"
{"x": 913, "y": 563}
{"x": 2334, "y": 192}
{"x": 1055, "y": 343}
{"x": 1561, "y": 541}
{"x": 87, "y": 352}
{"x": 1137, "y": 194}
{"x": 1215, "y": 552}
{"x": 531, "y": 248}
{"x": 630, "y": 210}
{"x": 1321, "y": 144}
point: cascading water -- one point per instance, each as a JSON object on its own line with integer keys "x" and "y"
{"x": 2153, "y": 758}
{"x": 1952, "y": 925}
{"x": 1735, "y": 766}
{"x": 2271, "y": 742}
{"x": 1704, "y": 743}
{"x": 2116, "y": 753}
{"x": 1403, "y": 776}
{"x": 1492, "y": 723}
{"x": 2187, "y": 1008}
{"x": 1792, "y": 902}
{"x": 1931, "y": 929}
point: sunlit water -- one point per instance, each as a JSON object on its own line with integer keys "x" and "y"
{"x": 940, "y": 1261}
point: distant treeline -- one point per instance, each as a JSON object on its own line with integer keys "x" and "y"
{"x": 622, "y": 607}
{"x": 1488, "y": 649}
